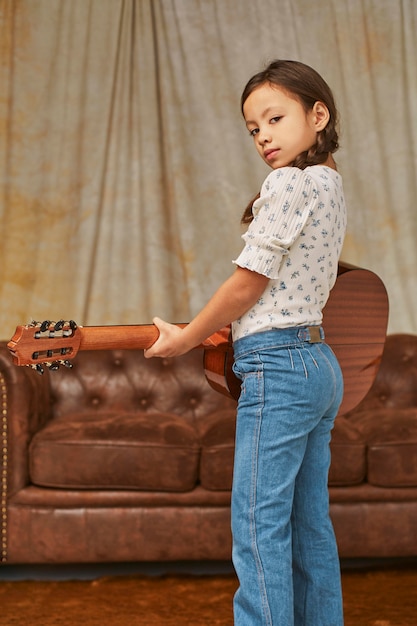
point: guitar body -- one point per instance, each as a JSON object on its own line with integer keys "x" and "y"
{"x": 355, "y": 323}
{"x": 219, "y": 372}
{"x": 354, "y": 319}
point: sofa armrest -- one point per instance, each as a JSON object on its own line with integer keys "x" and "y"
{"x": 25, "y": 408}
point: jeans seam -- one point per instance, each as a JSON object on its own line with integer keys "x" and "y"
{"x": 300, "y": 558}
{"x": 291, "y": 358}
{"x": 300, "y": 354}
{"x": 312, "y": 358}
{"x": 254, "y": 480}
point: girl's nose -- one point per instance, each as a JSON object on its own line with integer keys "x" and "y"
{"x": 264, "y": 137}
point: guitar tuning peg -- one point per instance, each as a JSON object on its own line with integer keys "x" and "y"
{"x": 73, "y": 325}
{"x": 54, "y": 366}
{"x": 66, "y": 363}
{"x": 59, "y": 325}
{"x": 39, "y": 368}
{"x": 45, "y": 325}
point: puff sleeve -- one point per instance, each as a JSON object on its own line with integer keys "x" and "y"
{"x": 280, "y": 214}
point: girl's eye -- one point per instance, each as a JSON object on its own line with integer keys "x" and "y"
{"x": 254, "y": 132}
{"x": 275, "y": 119}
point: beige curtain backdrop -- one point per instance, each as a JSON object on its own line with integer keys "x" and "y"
{"x": 125, "y": 164}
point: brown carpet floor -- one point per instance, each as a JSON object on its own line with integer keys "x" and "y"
{"x": 381, "y": 597}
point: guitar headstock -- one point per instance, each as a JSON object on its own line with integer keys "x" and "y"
{"x": 47, "y": 343}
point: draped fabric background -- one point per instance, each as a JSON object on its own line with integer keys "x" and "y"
{"x": 125, "y": 164}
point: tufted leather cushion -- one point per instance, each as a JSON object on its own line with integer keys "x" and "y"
{"x": 348, "y": 449}
{"x": 115, "y": 451}
{"x": 392, "y": 446}
{"x": 121, "y": 421}
{"x": 217, "y": 452}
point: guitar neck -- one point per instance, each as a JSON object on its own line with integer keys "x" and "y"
{"x": 138, "y": 337}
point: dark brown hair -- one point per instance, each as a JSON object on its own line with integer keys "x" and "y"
{"x": 303, "y": 82}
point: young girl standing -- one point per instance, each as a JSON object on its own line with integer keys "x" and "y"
{"x": 284, "y": 549}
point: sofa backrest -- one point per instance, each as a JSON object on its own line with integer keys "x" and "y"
{"x": 395, "y": 385}
{"x": 123, "y": 380}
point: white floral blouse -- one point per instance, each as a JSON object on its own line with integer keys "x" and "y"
{"x": 295, "y": 239}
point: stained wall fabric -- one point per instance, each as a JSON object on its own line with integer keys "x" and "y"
{"x": 125, "y": 163}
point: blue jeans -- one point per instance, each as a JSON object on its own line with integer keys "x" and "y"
{"x": 284, "y": 548}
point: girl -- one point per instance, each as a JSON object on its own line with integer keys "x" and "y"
{"x": 284, "y": 549}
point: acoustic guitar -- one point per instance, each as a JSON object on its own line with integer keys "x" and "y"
{"x": 355, "y": 321}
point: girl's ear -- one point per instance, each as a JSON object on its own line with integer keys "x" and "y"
{"x": 320, "y": 115}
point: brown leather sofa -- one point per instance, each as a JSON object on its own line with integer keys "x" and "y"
{"x": 124, "y": 459}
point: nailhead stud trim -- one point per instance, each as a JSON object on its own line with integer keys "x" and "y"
{"x": 4, "y": 463}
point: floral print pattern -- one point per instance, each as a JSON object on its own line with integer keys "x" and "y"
{"x": 295, "y": 239}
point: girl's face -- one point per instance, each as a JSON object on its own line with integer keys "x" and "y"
{"x": 279, "y": 124}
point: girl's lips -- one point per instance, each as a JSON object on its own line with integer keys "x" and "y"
{"x": 269, "y": 154}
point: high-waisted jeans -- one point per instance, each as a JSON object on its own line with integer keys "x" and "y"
{"x": 284, "y": 548}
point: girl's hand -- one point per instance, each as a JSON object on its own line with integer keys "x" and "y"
{"x": 169, "y": 343}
